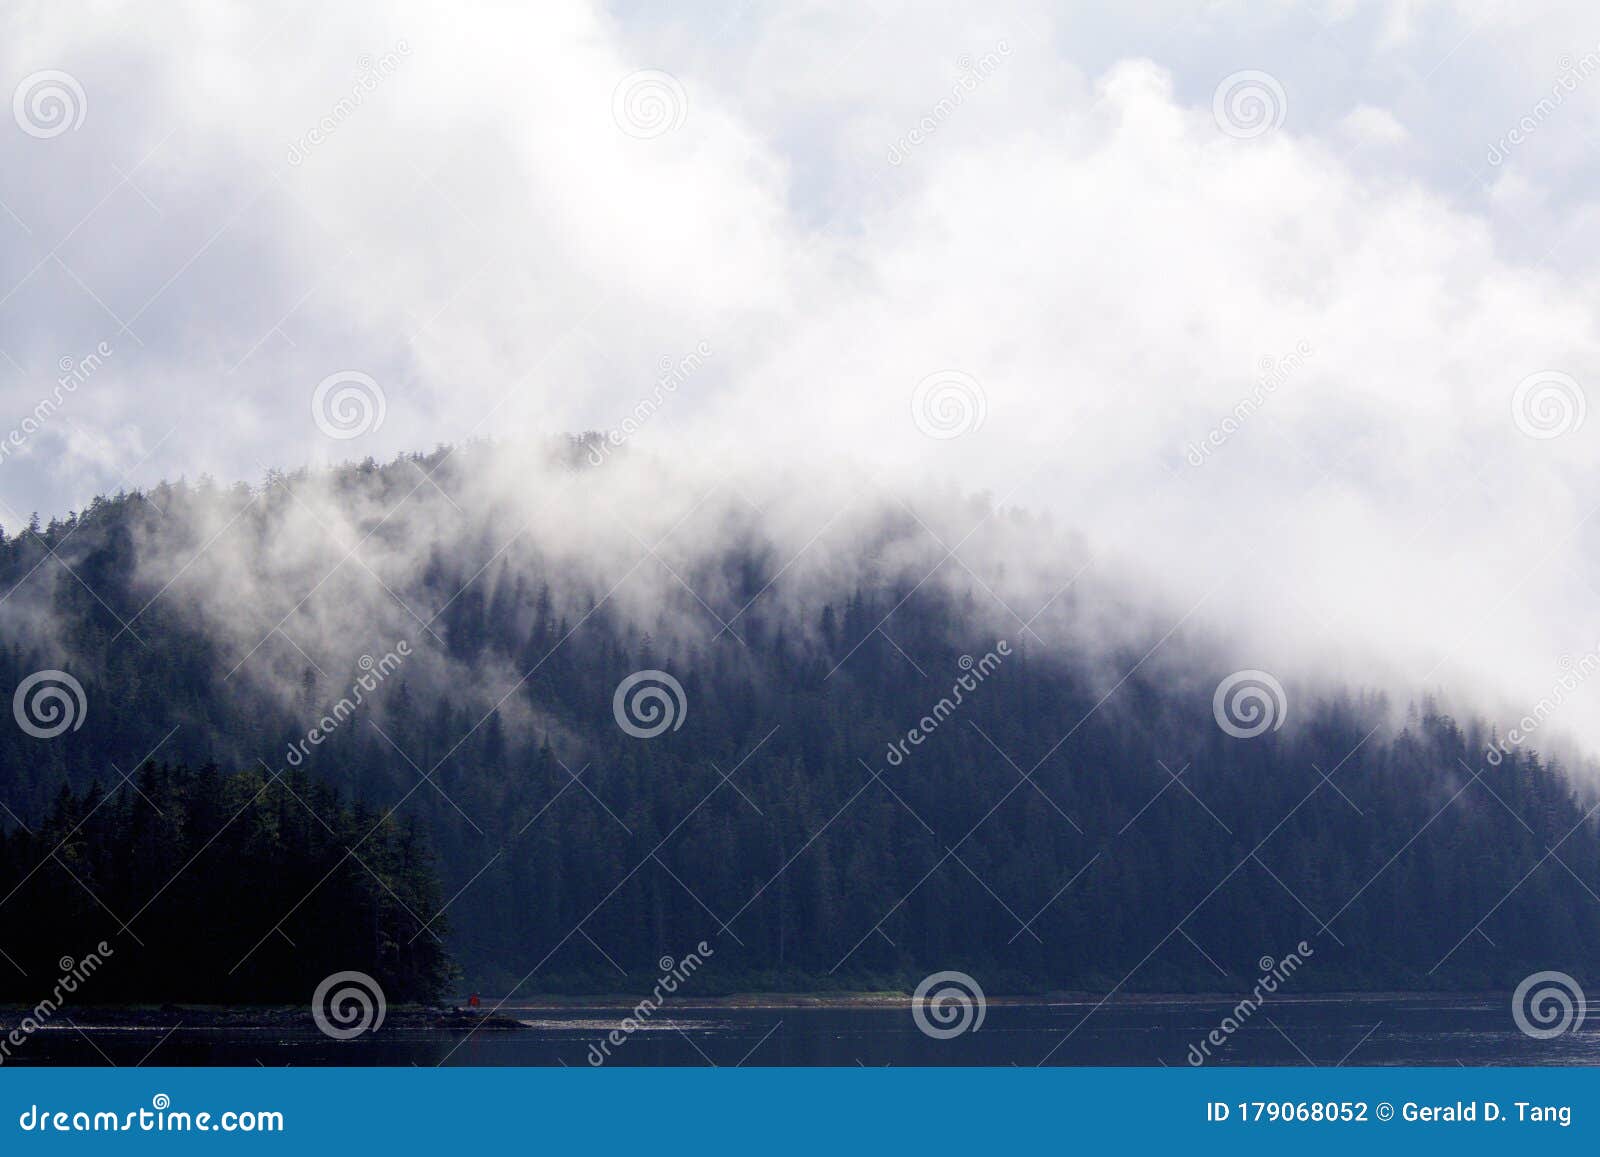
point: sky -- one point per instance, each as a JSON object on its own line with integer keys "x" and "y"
{"x": 1284, "y": 311}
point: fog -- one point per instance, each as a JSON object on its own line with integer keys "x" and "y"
{"x": 1256, "y": 329}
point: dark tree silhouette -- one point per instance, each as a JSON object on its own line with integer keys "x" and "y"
{"x": 1037, "y": 839}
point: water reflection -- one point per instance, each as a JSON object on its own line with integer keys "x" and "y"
{"x": 1406, "y": 1030}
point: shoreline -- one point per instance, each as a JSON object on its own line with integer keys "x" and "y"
{"x": 510, "y": 1017}
{"x": 1065, "y": 999}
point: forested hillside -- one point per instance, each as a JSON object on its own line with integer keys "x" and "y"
{"x": 213, "y": 888}
{"x": 1041, "y": 835}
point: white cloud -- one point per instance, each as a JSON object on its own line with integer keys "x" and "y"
{"x": 1366, "y": 125}
{"x": 1078, "y": 236}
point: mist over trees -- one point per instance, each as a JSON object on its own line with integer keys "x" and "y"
{"x": 1043, "y": 836}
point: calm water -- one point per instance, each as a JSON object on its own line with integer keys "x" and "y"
{"x": 1430, "y": 1030}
